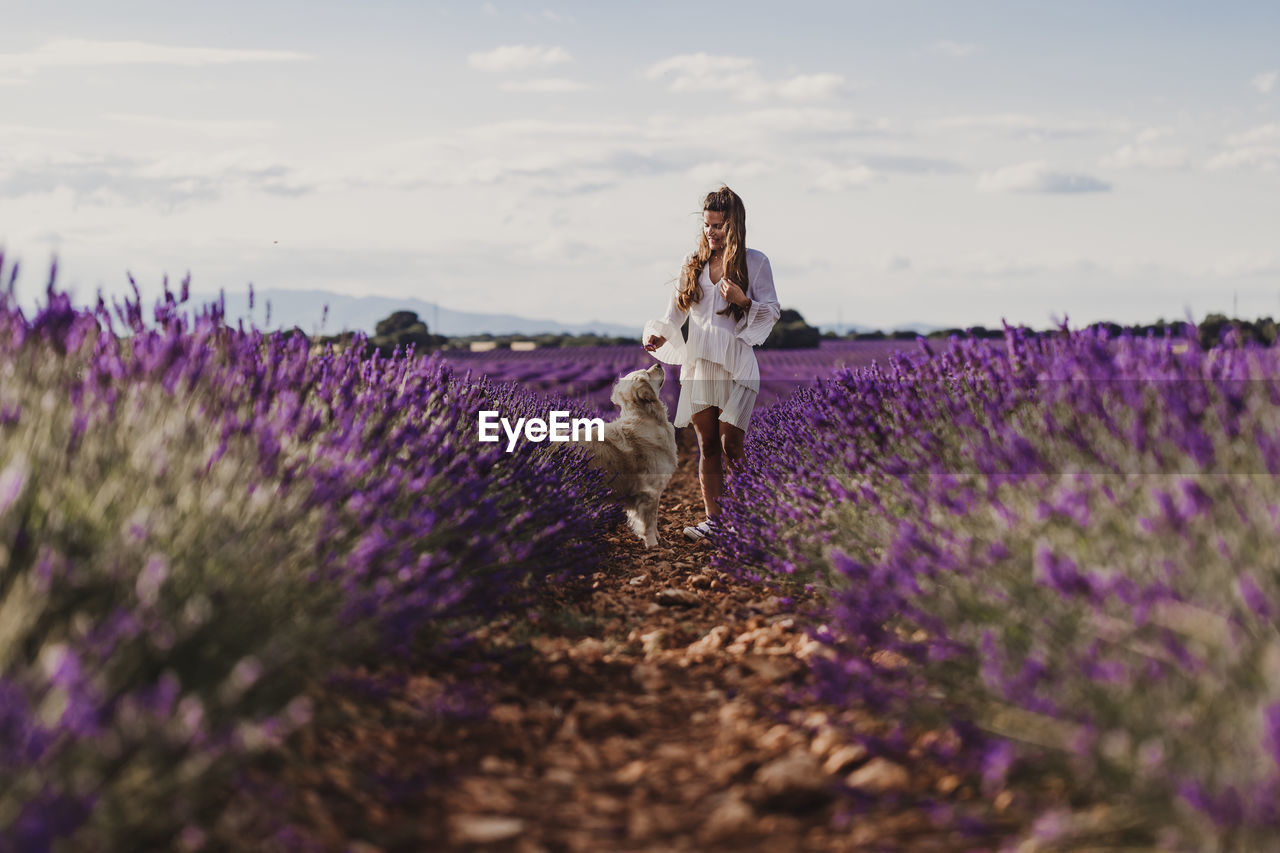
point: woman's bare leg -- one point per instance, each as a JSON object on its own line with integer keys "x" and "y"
{"x": 731, "y": 439}
{"x": 706, "y": 423}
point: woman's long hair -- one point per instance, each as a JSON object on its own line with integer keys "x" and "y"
{"x": 726, "y": 201}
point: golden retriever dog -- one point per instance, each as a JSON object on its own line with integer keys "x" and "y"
{"x": 638, "y": 450}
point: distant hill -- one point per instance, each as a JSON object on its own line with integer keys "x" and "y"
{"x": 304, "y": 309}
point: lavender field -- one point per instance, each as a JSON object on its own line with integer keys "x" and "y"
{"x": 1061, "y": 555}
{"x": 1054, "y": 556}
{"x": 197, "y": 523}
{"x": 588, "y": 373}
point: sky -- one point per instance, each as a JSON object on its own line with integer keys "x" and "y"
{"x": 947, "y": 162}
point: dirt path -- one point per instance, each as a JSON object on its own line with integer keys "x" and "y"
{"x": 646, "y": 711}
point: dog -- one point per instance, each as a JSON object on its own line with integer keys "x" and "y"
{"x": 638, "y": 451}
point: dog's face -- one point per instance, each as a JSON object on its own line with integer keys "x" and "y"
{"x": 639, "y": 389}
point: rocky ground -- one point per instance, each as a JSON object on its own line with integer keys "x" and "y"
{"x": 650, "y": 707}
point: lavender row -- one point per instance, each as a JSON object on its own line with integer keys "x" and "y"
{"x": 588, "y": 373}
{"x": 1062, "y": 553}
{"x": 197, "y": 522}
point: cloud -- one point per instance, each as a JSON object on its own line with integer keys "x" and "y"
{"x": 85, "y": 53}
{"x": 738, "y": 78}
{"x": 109, "y": 179}
{"x": 205, "y": 128}
{"x": 1019, "y": 125}
{"x": 998, "y": 265}
{"x": 895, "y": 263}
{"x": 545, "y": 85}
{"x": 538, "y": 156}
{"x": 842, "y": 178}
{"x": 1257, "y": 149}
{"x": 723, "y": 171}
{"x": 1267, "y": 134}
{"x": 1143, "y": 154}
{"x": 955, "y": 49}
{"x": 1242, "y": 265}
{"x": 550, "y": 157}
{"x": 810, "y": 120}
{"x": 809, "y": 87}
{"x": 1037, "y": 177}
{"x": 1265, "y": 82}
{"x": 912, "y": 165}
{"x": 561, "y": 249}
{"x": 517, "y": 57}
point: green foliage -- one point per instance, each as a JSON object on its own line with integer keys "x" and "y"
{"x": 1213, "y": 330}
{"x": 792, "y": 332}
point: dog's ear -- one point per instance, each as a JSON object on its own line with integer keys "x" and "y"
{"x": 643, "y": 391}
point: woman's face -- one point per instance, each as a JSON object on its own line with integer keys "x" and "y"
{"x": 714, "y": 226}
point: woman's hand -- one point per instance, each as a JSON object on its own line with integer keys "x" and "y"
{"x": 654, "y": 342}
{"x": 732, "y": 293}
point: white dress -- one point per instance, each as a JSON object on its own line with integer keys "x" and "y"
{"x": 717, "y": 365}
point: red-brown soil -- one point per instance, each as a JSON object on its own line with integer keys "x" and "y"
{"x": 649, "y": 707}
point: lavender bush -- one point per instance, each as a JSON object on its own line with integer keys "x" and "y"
{"x": 197, "y": 522}
{"x": 1064, "y": 551}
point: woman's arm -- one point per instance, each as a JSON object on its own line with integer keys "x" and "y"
{"x": 761, "y": 305}
{"x": 671, "y": 346}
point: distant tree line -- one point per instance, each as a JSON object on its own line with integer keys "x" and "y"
{"x": 1210, "y": 332}
{"x": 404, "y": 328}
{"x": 546, "y": 339}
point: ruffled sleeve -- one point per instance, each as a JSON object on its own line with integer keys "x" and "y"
{"x": 672, "y": 352}
{"x": 753, "y": 329}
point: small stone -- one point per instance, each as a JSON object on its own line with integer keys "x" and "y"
{"x": 710, "y": 642}
{"x": 777, "y": 737}
{"x": 844, "y": 756}
{"x": 768, "y": 667}
{"x": 639, "y": 824}
{"x": 678, "y": 598}
{"x": 734, "y": 817}
{"x": 890, "y": 660}
{"x": 769, "y": 606}
{"x": 878, "y": 776}
{"x": 589, "y": 648}
{"x": 632, "y": 773}
{"x": 794, "y": 781}
{"x": 824, "y": 741}
{"x": 639, "y": 580}
{"x": 649, "y": 676}
{"x": 651, "y": 642}
{"x": 560, "y": 776}
{"x": 486, "y": 829}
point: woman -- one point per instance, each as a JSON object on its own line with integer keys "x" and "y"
{"x": 726, "y": 291}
